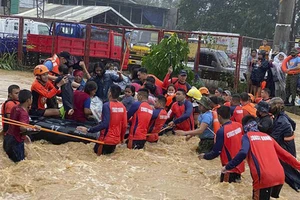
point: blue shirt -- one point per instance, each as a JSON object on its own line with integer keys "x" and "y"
{"x": 293, "y": 63}
{"x": 207, "y": 118}
{"x": 81, "y": 86}
{"x": 49, "y": 65}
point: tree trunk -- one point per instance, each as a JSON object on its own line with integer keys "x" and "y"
{"x": 283, "y": 26}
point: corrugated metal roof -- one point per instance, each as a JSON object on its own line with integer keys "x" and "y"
{"x": 73, "y": 13}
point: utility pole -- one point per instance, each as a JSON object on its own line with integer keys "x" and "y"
{"x": 40, "y": 8}
{"x": 6, "y": 6}
{"x": 283, "y": 27}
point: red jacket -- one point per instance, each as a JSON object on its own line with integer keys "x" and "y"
{"x": 237, "y": 115}
{"x": 158, "y": 119}
{"x": 265, "y": 168}
{"x": 114, "y": 123}
{"x": 233, "y": 133}
{"x": 176, "y": 83}
{"x": 40, "y": 94}
{"x": 140, "y": 114}
{"x": 183, "y": 114}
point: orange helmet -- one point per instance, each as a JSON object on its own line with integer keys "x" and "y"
{"x": 40, "y": 69}
{"x": 204, "y": 90}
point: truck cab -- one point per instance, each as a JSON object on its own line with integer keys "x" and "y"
{"x": 214, "y": 65}
{"x": 9, "y": 27}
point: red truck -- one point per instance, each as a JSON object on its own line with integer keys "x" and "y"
{"x": 105, "y": 45}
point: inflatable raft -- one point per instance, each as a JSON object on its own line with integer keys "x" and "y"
{"x": 65, "y": 126}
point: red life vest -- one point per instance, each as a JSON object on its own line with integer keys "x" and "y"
{"x": 115, "y": 132}
{"x": 55, "y": 63}
{"x": 237, "y": 115}
{"x": 178, "y": 111}
{"x": 140, "y": 122}
{"x": 156, "y": 125}
{"x": 79, "y": 98}
{"x": 233, "y": 133}
{"x": 265, "y": 168}
{"x": 178, "y": 85}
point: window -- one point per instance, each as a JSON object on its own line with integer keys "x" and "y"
{"x": 68, "y": 30}
{"x": 16, "y": 26}
{"x": 206, "y": 59}
{"x": 43, "y": 30}
{"x": 118, "y": 40}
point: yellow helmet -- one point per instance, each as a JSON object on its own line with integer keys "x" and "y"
{"x": 194, "y": 93}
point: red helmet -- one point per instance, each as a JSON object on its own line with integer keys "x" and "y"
{"x": 40, "y": 69}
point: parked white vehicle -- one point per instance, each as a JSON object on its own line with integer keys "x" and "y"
{"x": 9, "y": 27}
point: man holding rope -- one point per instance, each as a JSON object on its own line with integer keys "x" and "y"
{"x": 14, "y": 139}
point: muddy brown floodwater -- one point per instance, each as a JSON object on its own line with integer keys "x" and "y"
{"x": 166, "y": 170}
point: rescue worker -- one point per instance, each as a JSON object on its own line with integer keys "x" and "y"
{"x": 55, "y": 61}
{"x": 228, "y": 144}
{"x": 43, "y": 89}
{"x": 214, "y": 103}
{"x": 236, "y": 109}
{"x": 158, "y": 119}
{"x": 142, "y": 75}
{"x": 113, "y": 124}
{"x": 181, "y": 112}
{"x": 205, "y": 130}
{"x": 263, "y": 155}
{"x": 179, "y": 82}
{"x": 264, "y": 120}
{"x": 226, "y": 97}
{"x": 247, "y": 106}
{"x": 12, "y": 100}
{"x": 139, "y": 115}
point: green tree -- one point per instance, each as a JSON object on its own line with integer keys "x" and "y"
{"x": 253, "y": 18}
{"x": 170, "y": 51}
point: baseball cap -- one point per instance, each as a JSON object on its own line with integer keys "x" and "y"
{"x": 182, "y": 73}
{"x": 227, "y": 92}
{"x": 263, "y": 106}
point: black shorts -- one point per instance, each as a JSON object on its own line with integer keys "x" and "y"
{"x": 136, "y": 144}
{"x": 266, "y": 193}
{"x": 103, "y": 149}
{"x": 205, "y": 145}
{"x": 13, "y": 148}
{"x": 230, "y": 177}
{"x": 36, "y": 113}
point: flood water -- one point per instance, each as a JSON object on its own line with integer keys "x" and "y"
{"x": 166, "y": 170}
